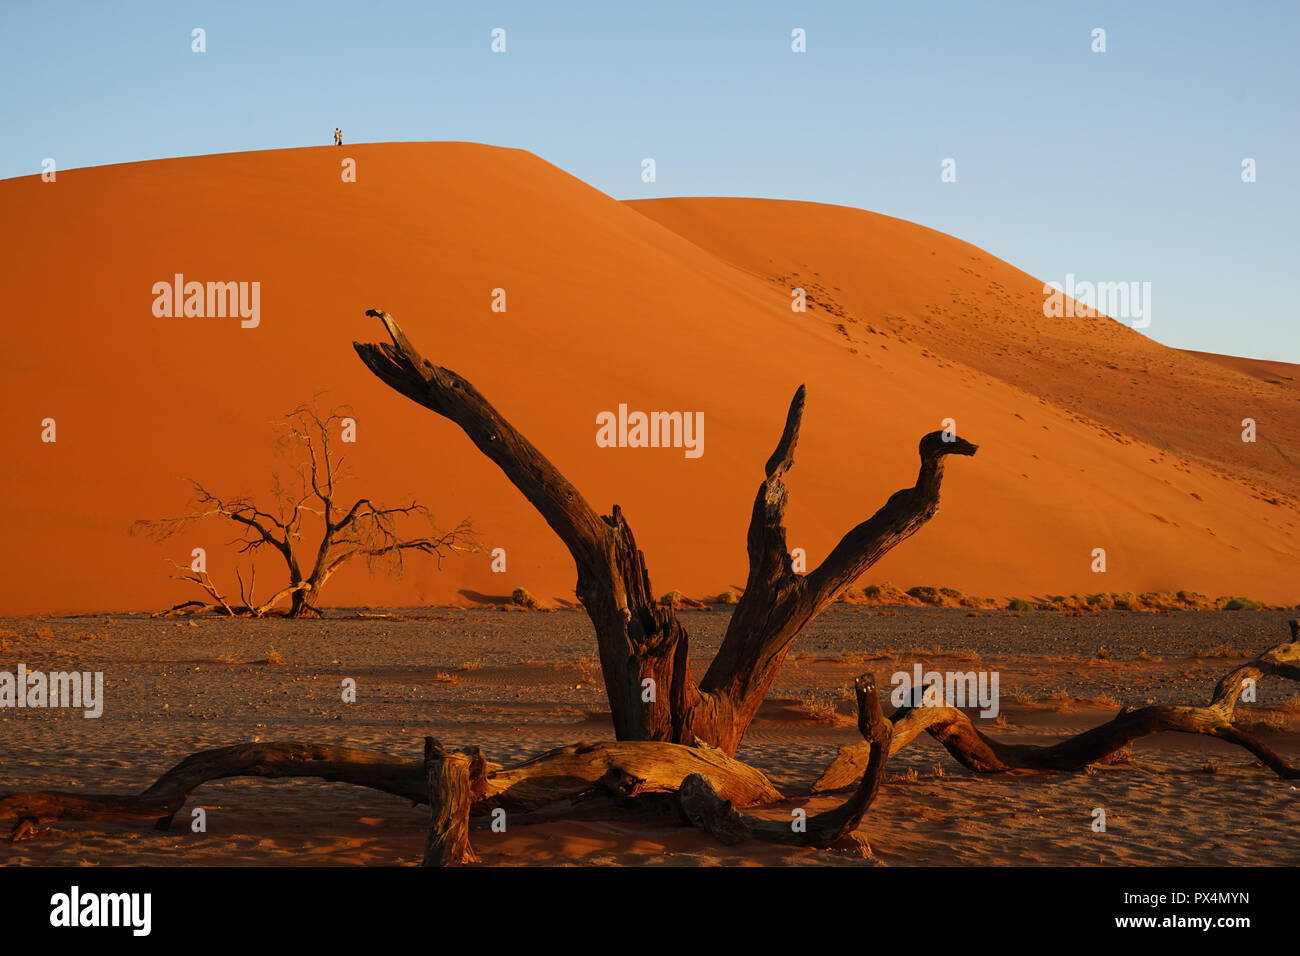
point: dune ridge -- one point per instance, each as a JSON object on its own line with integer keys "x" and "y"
{"x": 1092, "y": 436}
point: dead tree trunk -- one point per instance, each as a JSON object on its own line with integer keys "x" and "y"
{"x": 450, "y": 797}
{"x": 643, "y": 646}
{"x": 707, "y": 810}
{"x": 979, "y": 752}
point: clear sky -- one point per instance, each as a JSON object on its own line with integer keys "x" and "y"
{"x": 1117, "y": 166}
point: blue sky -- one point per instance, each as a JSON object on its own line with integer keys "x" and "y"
{"x": 1115, "y": 166}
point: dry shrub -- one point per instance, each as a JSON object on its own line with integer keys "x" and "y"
{"x": 1220, "y": 650}
{"x": 523, "y": 598}
{"x": 887, "y": 593}
{"x": 817, "y": 709}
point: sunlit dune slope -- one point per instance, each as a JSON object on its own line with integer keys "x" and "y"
{"x": 872, "y": 278}
{"x": 606, "y": 303}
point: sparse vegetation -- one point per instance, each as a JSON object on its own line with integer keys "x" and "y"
{"x": 1242, "y": 604}
{"x": 523, "y": 598}
{"x": 1220, "y": 650}
{"x": 677, "y": 600}
{"x": 817, "y": 708}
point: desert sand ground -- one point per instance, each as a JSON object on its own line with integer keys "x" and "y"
{"x": 519, "y": 683}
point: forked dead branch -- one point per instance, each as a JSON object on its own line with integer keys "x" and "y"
{"x": 644, "y": 649}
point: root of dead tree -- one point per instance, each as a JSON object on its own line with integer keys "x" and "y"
{"x": 458, "y": 785}
{"x": 979, "y": 752}
{"x": 199, "y": 608}
{"x": 709, "y": 785}
{"x": 567, "y": 773}
{"x": 710, "y": 811}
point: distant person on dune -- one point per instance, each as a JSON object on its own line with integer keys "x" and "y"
{"x": 338, "y": 136}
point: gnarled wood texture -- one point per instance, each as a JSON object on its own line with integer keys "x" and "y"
{"x": 981, "y": 753}
{"x": 639, "y": 639}
{"x": 566, "y": 773}
{"x": 709, "y": 811}
{"x": 450, "y": 777}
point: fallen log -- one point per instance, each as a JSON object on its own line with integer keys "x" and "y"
{"x": 710, "y": 811}
{"x": 982, "y": 753}
{"x": 622, "y": 768}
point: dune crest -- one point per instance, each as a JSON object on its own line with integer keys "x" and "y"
{"x": 1092, "y": 435}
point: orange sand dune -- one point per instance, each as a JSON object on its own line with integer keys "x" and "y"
{"x": 873, "y": 278}
{"x": 1275, "y": 373}
{"x": 679, "y": 305}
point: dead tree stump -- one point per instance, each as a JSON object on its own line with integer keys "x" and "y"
{"x": 450, "y": 797}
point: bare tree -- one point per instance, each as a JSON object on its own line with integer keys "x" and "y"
{"x": 308, "y": 503}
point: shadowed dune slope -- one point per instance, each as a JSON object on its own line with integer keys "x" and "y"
{"x": 665, "y": 305}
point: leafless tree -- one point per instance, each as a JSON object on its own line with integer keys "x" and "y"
{"x": 308, "y": 503}
{"x": 644, "y": 648}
